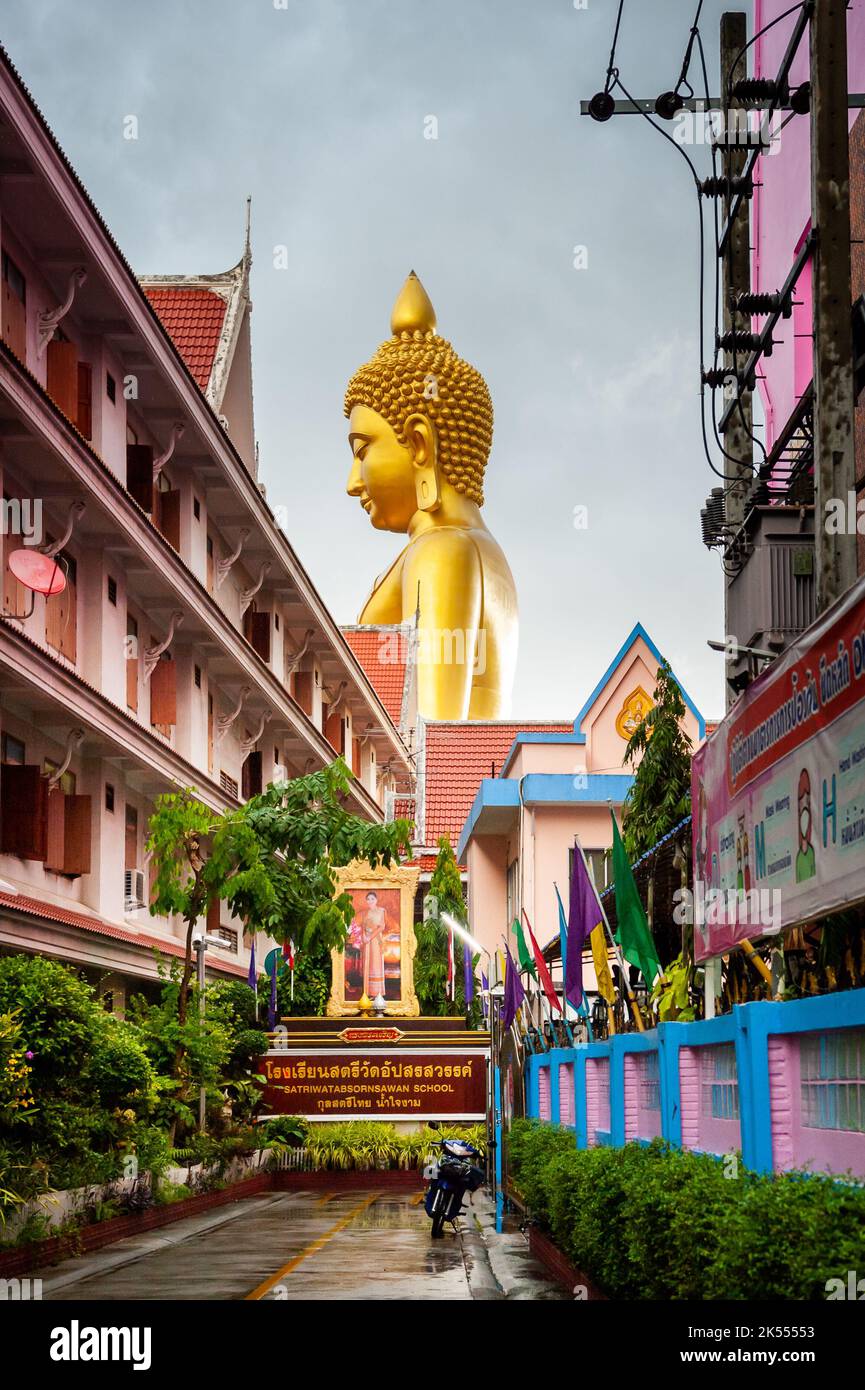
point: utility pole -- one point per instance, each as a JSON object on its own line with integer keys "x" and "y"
{"x": 736, "y": 267}
{"x": 834, "y": 461}
{"x": 736, "y": 279}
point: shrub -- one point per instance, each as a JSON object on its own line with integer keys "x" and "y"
{"x": 652, "y": 1222}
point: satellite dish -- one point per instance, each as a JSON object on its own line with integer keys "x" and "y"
{"x": 38, "y": 572}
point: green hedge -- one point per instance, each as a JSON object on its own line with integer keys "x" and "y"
{"x": 661, "y": 1223}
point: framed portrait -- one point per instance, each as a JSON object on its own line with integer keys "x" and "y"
{"x": 378, "y": 958}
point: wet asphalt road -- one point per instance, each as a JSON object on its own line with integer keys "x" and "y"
{"x": 305, "y": 1246}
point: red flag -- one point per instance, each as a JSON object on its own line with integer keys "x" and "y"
{"x": 543, "y": 973}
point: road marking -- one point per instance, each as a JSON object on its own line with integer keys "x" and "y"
{"x": 322, "y": 1201}
{"x": 312, "y": 1248}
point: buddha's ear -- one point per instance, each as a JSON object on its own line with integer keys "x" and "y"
{"x": 420, "y": 435}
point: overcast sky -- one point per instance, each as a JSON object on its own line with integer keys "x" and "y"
{"x": 317, "y": 108}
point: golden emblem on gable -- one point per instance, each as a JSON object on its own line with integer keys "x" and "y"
{"x": 633, "y": 712}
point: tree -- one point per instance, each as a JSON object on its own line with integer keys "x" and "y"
{"x": 431, "y": 960}
{"x": 661, "y": 794}
{"x": 271, "y": 861}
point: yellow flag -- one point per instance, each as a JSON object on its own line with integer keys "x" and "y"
{"x": 602, "y": 964}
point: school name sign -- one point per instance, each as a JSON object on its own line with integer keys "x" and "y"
{"x": 422, "y": 1083}
{"x": 778, "y": 791}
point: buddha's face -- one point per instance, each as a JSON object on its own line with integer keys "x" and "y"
{"x": 382, "y": 471}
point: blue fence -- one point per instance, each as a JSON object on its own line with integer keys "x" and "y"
{"x": 783, "y": 1083}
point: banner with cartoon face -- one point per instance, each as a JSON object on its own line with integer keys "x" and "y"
{"x": 778, "y": 791}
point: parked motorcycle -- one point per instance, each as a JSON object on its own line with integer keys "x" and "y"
{"x": 450, "y": 1176}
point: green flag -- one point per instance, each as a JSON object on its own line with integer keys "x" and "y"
{"x": 526, "y": 958}
{"x": 632, "y": 932}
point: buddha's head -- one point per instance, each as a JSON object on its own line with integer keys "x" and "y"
{"x": 420, "y": 420}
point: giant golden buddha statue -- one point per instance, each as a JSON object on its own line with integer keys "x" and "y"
{"x": 420, "y": 430}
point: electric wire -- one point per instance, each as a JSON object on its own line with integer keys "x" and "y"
{"x": 726, "y": 477}
{"x": 611, "y": 68}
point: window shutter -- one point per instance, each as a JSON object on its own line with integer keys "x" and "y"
{"x": 251, "y": 776}
{"x": 16, "y": 598}
{"x": 132, "y": 683}
{"x": 61, "y": 615}
{"x": 334, "y": 732}
{"x": 169, "y": 516}
{"x": 62, "y": 377}
{"x": 23, "y": 811}
{"x": 257, "y": 633}
{"x": 163, "y": 692}
{"x": 14, "y": 322}
{"x": 78, "y": 821}
{"x": 213, "y": 910}
{"x": 355, "y": 756}
{"x": 303, "y": 690}
{"x": 139, "y": 474}
{"x": 84, "y": 414}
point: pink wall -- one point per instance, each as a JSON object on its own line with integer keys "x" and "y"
{"x": 701, "y": 1069}
{"x": 567, "y": 1104}
{"x": 642, "y": 1117}
{"x": 544, "y": 1098}
{"x": 781, "y": 207}
{"x": 805, "y": 1098}
{"x": 597, "y": 1097}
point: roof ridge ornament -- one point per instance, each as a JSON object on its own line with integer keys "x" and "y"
{"x": 177, "y": 431}
{"x": 225, "y": 721}
{"x": 152, "y": 654}
{"x": 224, "y": 566}
{"x": 49, "y": 319}
{"x": 247, "y": 595}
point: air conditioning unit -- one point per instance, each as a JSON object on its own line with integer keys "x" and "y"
{"x": 133, "y": 890}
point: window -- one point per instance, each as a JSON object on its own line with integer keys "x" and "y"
{"x": 110, "y": 387}
{"x": 832, "y": 1071}
{"x": 513, "y": 890}
{"x": 198, "y": 677}
{"x": 227, "y": 783}
{"x": 112, "y": 591}
{"x": 719, "y": 1082}
{"x": 67, "y": 781}
{"x": 12, "y": 750}
{"x": 196, "y": 509}
{"x": 109, "y": 797}
{"x": 598, "y": 862}
{"x": 276, "y": 621}
{"x": 130, "y": 860}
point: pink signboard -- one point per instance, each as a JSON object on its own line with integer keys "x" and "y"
{"x": 778, "y": 791}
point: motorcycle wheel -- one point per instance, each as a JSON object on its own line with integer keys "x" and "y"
{"x": 438, "y": 1225}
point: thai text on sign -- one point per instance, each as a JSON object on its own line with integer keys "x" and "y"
{"x": 335, "y": 1084}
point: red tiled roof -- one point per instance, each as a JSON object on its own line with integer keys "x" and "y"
{"x": 68, "y": 918}
{"x": 193, "y": 318}
{"x": 404, "y": 808}
{"x": 383, "y": 657}
{"x": 457, "y": 757}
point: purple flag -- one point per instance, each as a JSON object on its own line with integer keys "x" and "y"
{"x": 514, "y": 992}
{"x": 485, "y": 989}
{"x": 468, "y": 974}
{"x": 584, "y": 914}
{"x": 252, "y": 978}
{"x": 271, "y": 1012}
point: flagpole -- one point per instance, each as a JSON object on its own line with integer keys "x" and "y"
{"x": 562, "y": 948}
{"x": 629, "y": 994}
{"x": 522, "y": 1005}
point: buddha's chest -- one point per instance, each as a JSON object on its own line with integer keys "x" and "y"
{"x": 384, "y": 604}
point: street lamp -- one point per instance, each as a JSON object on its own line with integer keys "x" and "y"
{"x": 200, "y": 945}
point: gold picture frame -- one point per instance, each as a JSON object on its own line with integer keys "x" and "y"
{"x": 372, "y": 957}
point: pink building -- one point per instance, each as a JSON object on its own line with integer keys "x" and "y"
{"x": 551, "y": 786}
{"x": 189, "y": 646}
{"x": 780, "y": 230}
